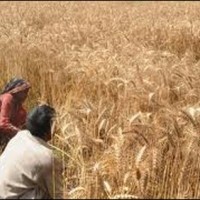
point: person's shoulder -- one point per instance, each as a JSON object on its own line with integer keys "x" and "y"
{"x": 19, "y": 138}
{"x": 7, "y": 97}
{"x": 45, "y": 157}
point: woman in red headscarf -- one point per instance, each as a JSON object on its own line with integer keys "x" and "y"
{"x": 12, "y": 113}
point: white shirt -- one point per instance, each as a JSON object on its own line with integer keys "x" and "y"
{"x": 26, "y": 168}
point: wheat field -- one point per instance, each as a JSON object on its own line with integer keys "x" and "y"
{"x": 124, "y": 78}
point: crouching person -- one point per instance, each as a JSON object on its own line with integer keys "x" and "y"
{"x": 28, "y": 167}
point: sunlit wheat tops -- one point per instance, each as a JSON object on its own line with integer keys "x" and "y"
{"x": 124, "y": 78}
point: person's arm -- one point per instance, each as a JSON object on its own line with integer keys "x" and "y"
{"x": 6, "y": 109}
{"x": 22, "y": 114}
{"x": 53, "y": 178}
{"x": 58, "y": 178}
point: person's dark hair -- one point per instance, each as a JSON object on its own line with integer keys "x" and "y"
{"x": 39, "y": 120}
{"x": 14, "y": 82}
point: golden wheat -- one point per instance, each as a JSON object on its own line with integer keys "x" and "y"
{"x": 124, "y": 79}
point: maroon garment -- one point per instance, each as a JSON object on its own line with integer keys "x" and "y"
{"x": 12, "y": 115}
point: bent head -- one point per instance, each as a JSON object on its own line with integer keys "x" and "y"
{"x": 22, "y": 95}
{"x": 18, "y": 88}
{"x": 40, "y": 121}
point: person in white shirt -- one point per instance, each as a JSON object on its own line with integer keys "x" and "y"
{"x": 28, "y": 167}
